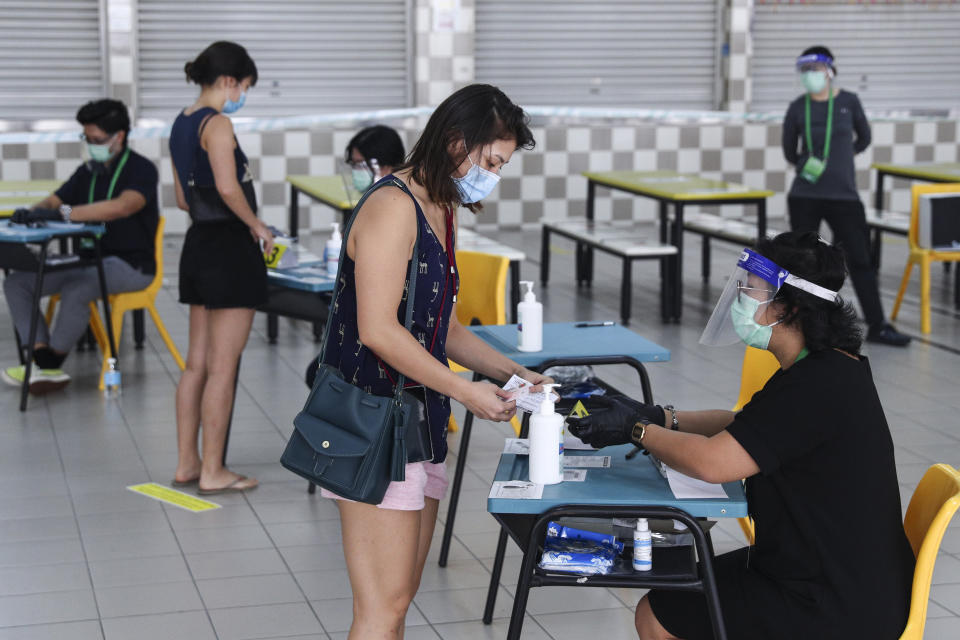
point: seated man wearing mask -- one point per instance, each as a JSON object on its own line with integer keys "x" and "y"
{"x": 116, "y": 186}
{"x": 372, "y": 154}
{"x": 816, "y": 453}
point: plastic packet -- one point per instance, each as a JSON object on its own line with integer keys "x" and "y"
{"x": 570, "y": 374}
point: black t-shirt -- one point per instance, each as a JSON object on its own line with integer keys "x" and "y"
{"x": 131, "y": 238}
{"x": 826, "y": 504}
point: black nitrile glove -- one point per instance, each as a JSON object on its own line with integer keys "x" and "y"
{"x": 26, "y": 216}
{"x": 611, "y": 420}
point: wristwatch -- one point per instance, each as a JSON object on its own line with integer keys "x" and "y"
{"x": 65, "y": 211}
{"x": 673, "y": 413}
{"x": 639, "y": 430}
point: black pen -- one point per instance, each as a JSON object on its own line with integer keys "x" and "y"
{"x": 580, "y": 325}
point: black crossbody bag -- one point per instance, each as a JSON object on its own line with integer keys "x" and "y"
{"x": 206, "y": 205}
{"x": 351, "y": 442}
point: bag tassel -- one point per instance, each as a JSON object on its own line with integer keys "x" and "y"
{"x": 399, "y": 463}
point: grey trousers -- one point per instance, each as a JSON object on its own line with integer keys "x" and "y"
{"x": 77, "y": 287}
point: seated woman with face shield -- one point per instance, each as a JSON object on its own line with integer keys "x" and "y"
{"x": 830, "y": 559}
{"x": 372, "y": 154}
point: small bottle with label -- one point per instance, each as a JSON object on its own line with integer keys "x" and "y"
{"x": 530, "y": 321}
{"x": 111, "y": 379}
{"x": 642, "y": 546}
{"x": 331, "y": 252}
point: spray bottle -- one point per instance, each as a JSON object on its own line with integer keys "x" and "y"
{"x": 530, "y": 317}
{"x": 331, "y": 252}
{"x": 546, "y": 443}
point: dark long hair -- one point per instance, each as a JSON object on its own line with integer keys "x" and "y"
{"x": 380, "y": 142}
{"x": 478, "y": 114}
{"x": 221, "y": 59}
{"x": 825, "y": 324}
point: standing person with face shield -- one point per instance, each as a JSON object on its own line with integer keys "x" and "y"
{"x": 818, "y": 139}
{"x": 457, "y": 161}
{"x": 116, "y": 186}
{"x": 223, "y": 276}
{"x": 817, "y": 455}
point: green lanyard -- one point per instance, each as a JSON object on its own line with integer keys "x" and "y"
{"x": 113, "y": 180}
{"x": 826, "y": 140}
{"x": 803, "y": 354}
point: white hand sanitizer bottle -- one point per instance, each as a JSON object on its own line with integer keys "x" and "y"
{"x": 546, "y": 445}
{"x": 642, "y": 546}
{"x": 530, "y": 325}
{"x": 111, "y": 379}
{"x": 331, "y": 252}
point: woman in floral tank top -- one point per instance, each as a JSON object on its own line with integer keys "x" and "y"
{"x": 456, "y": 162}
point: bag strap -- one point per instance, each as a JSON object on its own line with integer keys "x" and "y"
{"x": 411, "y": 274}
{"x": 196, "y": 152}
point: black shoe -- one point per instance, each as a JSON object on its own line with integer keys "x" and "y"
{"x": 886, "y": 334}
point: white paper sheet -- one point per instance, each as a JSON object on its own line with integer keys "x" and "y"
{"x": 519, "y": 446}
{"x": 526, "y": 401}
{"x": 586, "y": 461}
{"x": 516, "y": 490}
{"x": 685, "y": 487}
{"x": 574, "y": 475}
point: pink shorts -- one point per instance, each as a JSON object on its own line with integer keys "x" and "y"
{"x": 424, "y": 479}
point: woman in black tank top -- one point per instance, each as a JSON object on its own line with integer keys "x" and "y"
{"x": 222, "y": 272}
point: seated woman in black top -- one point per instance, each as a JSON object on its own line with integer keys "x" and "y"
{"x": 831, "y": 559}
{"x": 116, "y": 186}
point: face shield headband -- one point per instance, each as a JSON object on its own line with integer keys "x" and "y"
{"x": 804, "y": 62}
{"x": 754, "y": 283}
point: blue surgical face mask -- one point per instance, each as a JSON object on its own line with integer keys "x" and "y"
{"x": 362, "y": 179}
{"x": 231, "y": 107}
{"x": 477, "y": 184}
{"x": 743, "y": 313}
{"x": 814, "y": 81}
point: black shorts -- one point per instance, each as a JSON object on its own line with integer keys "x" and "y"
{"x": 752, "y": 605}
{"x": 221, "y": 267}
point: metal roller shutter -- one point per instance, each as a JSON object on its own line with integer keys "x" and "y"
{"x": 611, "y": 53}
{"x": 895, "y": 56}
{"x": 51, "y": 57}
{"x": 312, "y": 56}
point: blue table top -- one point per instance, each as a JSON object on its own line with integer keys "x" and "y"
{"x": 564, "y": 340}
{"x": 19, "y": 233}
{"x": 307, "y": 277}
{"x": 625, "y": 483}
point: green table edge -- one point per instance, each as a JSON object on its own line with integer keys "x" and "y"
{"x": 906, "y": 171}
{"x": 604, "y": 180}
{"x": 301, "y": 184}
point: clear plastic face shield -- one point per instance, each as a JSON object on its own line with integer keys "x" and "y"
{"x": 814, "y": 72}
{"x": 741, "y": 313}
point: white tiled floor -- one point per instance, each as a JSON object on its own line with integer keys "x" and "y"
{"x": 82, "y": 558}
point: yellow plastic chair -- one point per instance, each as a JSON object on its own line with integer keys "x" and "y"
{"x": 921, "y": 256}
{"x": 483, "y": 289}
{"x": 758, "y": 366}
{"x": 120, "y": 303}
{"x": 931, "y": 508}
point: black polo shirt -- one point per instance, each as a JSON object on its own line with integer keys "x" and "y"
{"x": 131, "y": 238}
{"x": 826, "y": 504}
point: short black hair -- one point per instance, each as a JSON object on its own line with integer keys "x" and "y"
{"x": 823, "y": 51}
{"x": 379, "y": 142}
{"x": 110, "y": 115}
{"x": 221, "y": 59}
{"x": 478, "y": 114}
{"x": 825, "y": 324}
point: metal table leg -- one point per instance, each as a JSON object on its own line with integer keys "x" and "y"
{"x": 457, "y": 483}
{"x": 293, "y": 218}
{"x": 515, "y": 288}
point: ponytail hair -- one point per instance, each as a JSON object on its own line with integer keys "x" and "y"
{"x": 221, "y": 59}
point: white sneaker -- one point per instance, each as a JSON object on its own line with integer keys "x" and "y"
{"x": 41, "y": 380}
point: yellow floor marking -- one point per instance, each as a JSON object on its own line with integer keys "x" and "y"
{"x": 174, "y": 497}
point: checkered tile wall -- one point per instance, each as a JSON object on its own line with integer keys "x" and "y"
{"x": 544, "y": 182}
